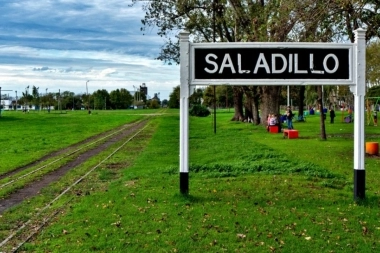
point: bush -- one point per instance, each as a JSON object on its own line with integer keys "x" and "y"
{"x": 199, "y": 110}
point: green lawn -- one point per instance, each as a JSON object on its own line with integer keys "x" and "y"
{"x": 27, "y": 137}
{"x": 250, "y": 191}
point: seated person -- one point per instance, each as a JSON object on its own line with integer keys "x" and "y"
{"x": 273, "y": 120}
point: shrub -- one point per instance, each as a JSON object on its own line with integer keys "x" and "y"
{"x": 199, "y": 111}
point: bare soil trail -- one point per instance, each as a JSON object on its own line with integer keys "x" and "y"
{"x": 35, "y": 187}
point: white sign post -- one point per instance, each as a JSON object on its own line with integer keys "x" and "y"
{"x": 257, "y": 63}
{"x": 359, "y": 92}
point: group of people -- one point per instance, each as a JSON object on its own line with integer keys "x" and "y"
{"x": 273, "y": 120}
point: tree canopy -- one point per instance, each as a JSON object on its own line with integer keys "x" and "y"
{"x": 259, "y": 21}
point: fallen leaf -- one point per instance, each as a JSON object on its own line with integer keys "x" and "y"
{"x": 214, "y": 242}
{"x": 365, "y": 230}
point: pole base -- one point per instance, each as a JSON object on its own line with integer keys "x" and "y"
{"x": 359, "y": 184}
{"x": 184, "y": 182}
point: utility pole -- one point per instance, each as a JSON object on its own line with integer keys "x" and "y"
{"x": 38, "y": 99}
{"x": 26, "y": 97}
{"x": 59, "y": 100}
{"x": 88, "y": 98}
{"x": 48, "y": 101}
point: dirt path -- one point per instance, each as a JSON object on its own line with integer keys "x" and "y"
{"x": 34, "y": 188}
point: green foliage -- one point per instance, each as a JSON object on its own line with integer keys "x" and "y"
{"x": 199, "y": 111}
{"x": 154, "y": 104}
{"x": 120, "y": 99}
{"x": 196, "y": 97}
{"x": 100, "y": 98}
{"x": 174, "y": 98}
{"x": 373, "y": 64}
{"x": 373, "y": 92}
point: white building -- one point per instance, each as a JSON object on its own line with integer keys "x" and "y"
{"x": 7, "y": 105}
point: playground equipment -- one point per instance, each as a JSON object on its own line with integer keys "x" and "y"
{"x": 349, "y": 118}
{"x": 372, "y": 109}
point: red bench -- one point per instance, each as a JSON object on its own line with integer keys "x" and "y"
{"x": 290, "y": 133}
{"x": 273, "y": 129}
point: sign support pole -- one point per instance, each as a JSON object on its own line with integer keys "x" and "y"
{"x": 359, "y": 93}
{"x": 184, "y": 112}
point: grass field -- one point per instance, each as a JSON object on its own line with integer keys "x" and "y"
{"x": 27, "y": 137}
{"x": 250, "y": 191}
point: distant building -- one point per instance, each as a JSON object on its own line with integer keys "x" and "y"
{"x": 155, "y": 97}
{"x": 9, "y": 104}
{"x": 144, "y": 89}
{"x": 6, "y": 104}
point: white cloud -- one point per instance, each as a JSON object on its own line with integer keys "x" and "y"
{"x": 106, "y": 72}
{"x": 60, "y": 44}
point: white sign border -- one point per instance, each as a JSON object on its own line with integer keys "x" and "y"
{"x": 272, "y": 82}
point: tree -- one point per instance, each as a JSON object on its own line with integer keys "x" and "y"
{"x": 26, "y": 99}
{"x": 174, "y": 98}
{"x": 238, "y": 21}
{"x": 252, "y": 104}
{"x": 36, "y": 96}
{"x": 322, "y": 115}
{"x": 373, "y": 63}
{"x": 374, "y": 91}
{"x": 67, "y": 100}
{"x": 47, "y": 101}
{"x": 101, "y": 97}
{"x": 120, "y": 99}
{"x": 196, "y": 97}
{"x": 224, "y": 95}
{"x": 164, "y": 103}
{"x": 153, "y": 104}
{"x": 208, "y": 96}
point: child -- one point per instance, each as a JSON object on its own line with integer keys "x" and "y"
{"x": 375, "y": 118}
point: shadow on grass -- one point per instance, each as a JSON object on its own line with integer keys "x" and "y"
{"x": 188, "y": 198}
{"x": 8, "y": 118}
{"x": 369, "y": 201}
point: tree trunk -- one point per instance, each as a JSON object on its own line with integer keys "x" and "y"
{"x": 238, "y": 104}
{"x": 270, "y": 102}
{"x": 301, "y": 100}
{"x": 252, "y": 104}
{"x": 255, "y": 107}
{"x": 248, "y": 115}
{"x": 322, "y": 115}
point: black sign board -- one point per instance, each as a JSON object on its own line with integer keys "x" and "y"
{"x": 262, "y": 63}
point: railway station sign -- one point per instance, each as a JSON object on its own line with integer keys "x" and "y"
{"x": 271, "y": 63}
{"x": 257, "y": 63}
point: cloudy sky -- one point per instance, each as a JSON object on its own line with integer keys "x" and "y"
{"x": 60, "y": 44}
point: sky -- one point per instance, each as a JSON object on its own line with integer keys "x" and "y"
{"x": 59, "y": 45}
